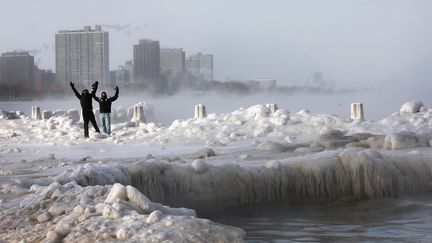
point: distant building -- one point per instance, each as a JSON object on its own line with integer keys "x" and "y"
{"x": 82, "y": 56}
{"x": 265, "y": 83}
{"x": 146, "y": 59}
{"x": 17, "y": 69}
{"x": 119, "y": 77}
{"x": 256, "y": 84}
{"x": 44, "y": 80}
{"x": 130, "y": 68}
{"x": 172, "y": 60}
{"x": 201, "y": 66}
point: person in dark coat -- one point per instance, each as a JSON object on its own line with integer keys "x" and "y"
{"x": 87, "y": 108}
{"x": 105, "y": 109}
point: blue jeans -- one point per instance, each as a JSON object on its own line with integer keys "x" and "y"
{"x": 106, "y": 122}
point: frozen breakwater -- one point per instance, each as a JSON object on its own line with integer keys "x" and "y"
{"x": 151, "y": 182}
{"x": 353, "y": 174}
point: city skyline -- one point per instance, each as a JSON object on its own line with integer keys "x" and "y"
{"x": 353, "y": 43}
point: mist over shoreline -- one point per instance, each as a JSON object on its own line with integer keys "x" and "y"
{"x": 378, "y": 103}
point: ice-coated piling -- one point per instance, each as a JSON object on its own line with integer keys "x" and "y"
{"x": 272, "y": 107}
{"x": 357, "y": 112}
{"x": 47, "y": 115}
{"x": 200, "y": 111}
{"x": 138, "y": 115}
{"x": 36, "y": 114}
{"x": 74, "y": 115}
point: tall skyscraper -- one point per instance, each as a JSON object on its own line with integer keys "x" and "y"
{"x": 172, "y": 60}
{"x": 82, "y": 56}
{"x": 201, "y": 65}
{"x": 146, "y": 59}
{"x": 17, "y": 69}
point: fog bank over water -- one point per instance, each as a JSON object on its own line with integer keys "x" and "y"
{"x": 378, "y": 103}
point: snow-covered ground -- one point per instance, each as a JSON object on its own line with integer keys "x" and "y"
{"x": 54, "y": 184}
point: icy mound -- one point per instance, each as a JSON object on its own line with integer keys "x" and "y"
{"x": 71, "y": 213}
{"x": 354, "y": 173}
{"x": 5, "y": 115}
{"x": 256, "y": 122}
{"x": 411, "y": 107}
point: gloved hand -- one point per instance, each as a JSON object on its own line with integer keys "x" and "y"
{"x": 72, "y": 84}
{"x": 116, "y": 89}
{"x": 95, "y": 85}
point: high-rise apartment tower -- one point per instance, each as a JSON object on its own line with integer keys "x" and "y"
{"x": 172, "y": 60}
{"x": 82, "y": 56}
{"x": 201, "y": 65}
{"x": 146, "y": 60}
{"x": 17, "y": 69}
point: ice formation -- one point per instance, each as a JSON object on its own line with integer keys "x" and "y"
{"x": 127, "y": 188}
{"x": 411, "y": 107}
{"x": 71, "y": 213}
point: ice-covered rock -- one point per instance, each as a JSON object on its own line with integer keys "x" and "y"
{"x": 203, "y": 153}
{"x": 44, "y": 217}
{"x": 400, "y": 140}
{"x": 411, "y": 107}
{"x": 74, "y": 115}
{"x": 271, "y": 147}
{"x": 139, "y": 199}
{"x": 376, "y": 142}
{"x": 200, "y": 166}
{"x": 110, "y": 213}
{"x": 100, "y": 175}
{"x": 333, "y": 138}
{"x": 118, "y": 192}
{"x": 273, "y": 165}
{"x": 46, "y": 114}
{"x": 99, "y": 135}
{"x": 155, "y": 217}
{"x": 8, "y": 115}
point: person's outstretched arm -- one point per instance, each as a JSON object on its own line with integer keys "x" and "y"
{"x": 74, "y": 90}
{"x": 116, "y": 94}
{"x": 93, "y": 93}
{"x": 94, "y": 88}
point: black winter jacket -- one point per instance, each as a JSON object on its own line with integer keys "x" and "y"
{"x": 85, "y": 99}
{"x": 105, "y": 103}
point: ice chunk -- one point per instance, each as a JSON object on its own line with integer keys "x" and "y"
{"x": 110, "y": 213}
{"x": 200, "y": 166}
{"x": 139, "y": 199}
{"x": 118, "y": 192}
{"x": 45, "y": 216}
{"x": 100, "y": 175}
{"x": 400, "y": 140}
{"x": 273, "y": 165}
{"x": 74, "y": 115}
{"x": 411, "y": 107}
{"x": 155, "y": 217}
{"x": 272, "y": 147}
{"x": 98, "y": 135}
{"x": 203, "y": 153}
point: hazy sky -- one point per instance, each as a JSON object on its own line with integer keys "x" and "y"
{"x": 352, "y": 42}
